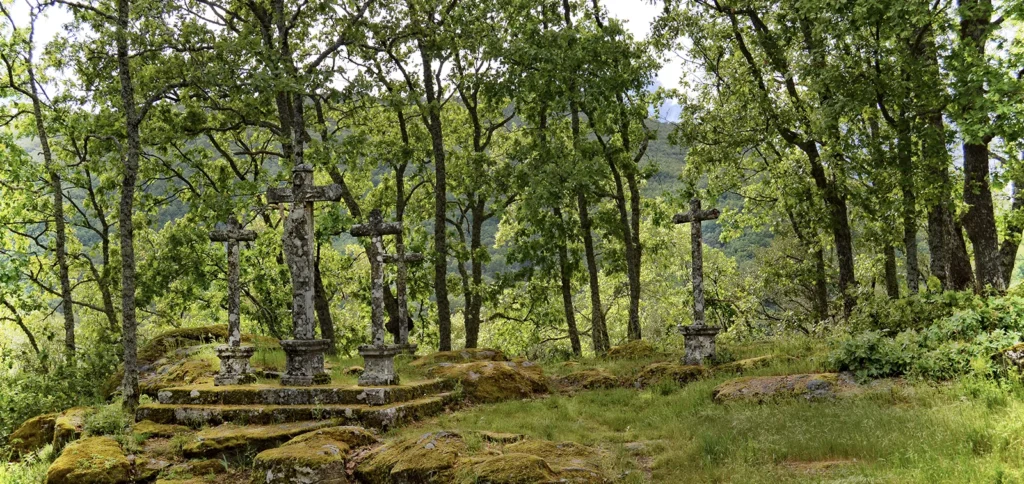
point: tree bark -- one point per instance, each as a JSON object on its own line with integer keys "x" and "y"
{"x": 323, "y": 306}
{"x": 598, "y": 329}
{"x": 892, "y": 285}
{"x": 130, "y": 384}
{"x": 474, "y": 300}
{"x": 565, "y": 277}
{"x": 905, "y": 160}
{"x": 1011, "y": 240}
{"x": 820, "y": 286}
{"x": 980, "y": 220}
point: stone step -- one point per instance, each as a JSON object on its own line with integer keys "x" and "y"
{"x": 315, "y": 395}
{"x": 374, "y": 416}
{"x": 229, "y": 439}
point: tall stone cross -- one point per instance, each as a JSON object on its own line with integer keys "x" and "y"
{"x": 378, "y": 357}
{"x": 304, "y": 363}
{"x": 699, "y": 338}
{"x": 234, "y": 358}
{"x": 401, "y": 259}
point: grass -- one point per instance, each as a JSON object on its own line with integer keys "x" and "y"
{"x": 30, "y": 470}
{"x": 965, "y": 431}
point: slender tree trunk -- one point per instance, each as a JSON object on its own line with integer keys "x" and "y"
{"x": 433, "y": 122}
{"x": 1011, "y": 240}
{"x": 323, "y": 306}
{"x": 839, "y": 222}
{"x": 905, "y": 160}
{"x": 598, "y": 329}
{"x": 60, "y": 230}
{"x": 565, "y": 277}
{"x": 474, "y": 299}
{"x": 892, "y": 285}
{"x": 820, "y": 286}
{"x": 636, "y": 259}
{"x": 130, "y": 385}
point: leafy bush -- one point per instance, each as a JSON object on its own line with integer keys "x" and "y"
{"x": 109, "y": 420}
{"x": 915, "y": 312}
{"x": 963, "y": 342}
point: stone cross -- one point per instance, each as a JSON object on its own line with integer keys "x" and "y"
{"x": 305, "y": 354}
{"x": 700, "y": 339}
{"x": 378, "y": 357}
{"x": 401, "y": 259}
{"x": 234, "y": 358}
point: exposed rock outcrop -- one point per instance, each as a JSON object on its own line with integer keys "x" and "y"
{"x": 94, "y": 460}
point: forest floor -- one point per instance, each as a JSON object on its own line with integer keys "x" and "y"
{"x": 914, "y": 431}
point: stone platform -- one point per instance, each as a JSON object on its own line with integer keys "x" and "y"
{"x": 376, "y": 407}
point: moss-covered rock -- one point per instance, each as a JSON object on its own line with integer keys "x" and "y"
{"x": 459, "y": 356}
{"x": 94, "y": 460}
{"x": 634, "y": 350}
{"x": 33, "y": 434}
{"x": 318, "y": 456}
{"x": 495, "y": 381}
{"x": 589, "y": 379}
{"x": 229, "y": 438}
{"x": 813, "y": 386}
{"x": 69, "y": 425}
{"x": 560, "y": 455}
{"x": 668, "y": 371}
{"x": 353, "y": 371}
{"x": 428, "y": 459}
{"x": 745, "y": 365}
{"x": 148, "y": 428}
{"x": 513, "y": 468}
{"x": 205, "y": 467}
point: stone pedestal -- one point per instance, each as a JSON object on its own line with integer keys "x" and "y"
{"x": 234, "y": 365}
{"x": 699, "y": 341}
{"x": 304, "y": 362}
{"x": 379, "y": 364}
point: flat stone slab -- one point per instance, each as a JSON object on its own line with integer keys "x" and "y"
{"x": 315, "y": 395}
{"x": 811, "y": 386}
{"x": 375, "y": 416}
{"x": 229, "y": 438}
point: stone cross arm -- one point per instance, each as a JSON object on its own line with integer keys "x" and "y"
{"x": 327, "y": 193}
{"x": 697, "y": 215}
{"x": 232, "y": 234}
{"x": 376, "y": 227}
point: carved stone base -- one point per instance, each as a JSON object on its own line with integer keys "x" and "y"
{"x": 234, "y": 365}
{"x": 304, "y": 362}
{"x": 379, "y": 364}
{"x": 699, "y": 342}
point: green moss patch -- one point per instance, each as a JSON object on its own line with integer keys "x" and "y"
{"x": 668, "y": 371}
{"x": 230, "y": 438}
{"x": 149, "y": 428}
{"x": 749, "y": 364}
{"x": 634, "y": 350}
{"x": 513, "y": 468}
{"x": 94, "y": 460}
{"x": 814, "y": 386}
{"x": 69, "y": 425}
{"x": 33, "y": 434}
{"x": 589, "y": 379}
{"x": 459, "y": 356}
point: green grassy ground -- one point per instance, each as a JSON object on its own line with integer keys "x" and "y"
{"x": 966, "y": 431}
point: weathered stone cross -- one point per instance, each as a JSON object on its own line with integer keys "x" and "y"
{"x": 401, "y": 259}
{"x": 378, "y": 357}
{"x": 699, "y": 338}
{"x": 234, "y": 358}
{"x": 305, "y": 354}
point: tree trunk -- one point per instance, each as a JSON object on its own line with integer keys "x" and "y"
{"x": 820, "y": 286}
{"x": 474, "y": 300}
{"x": 565, "y": 276}
{"x": 433, "y": 122}
{"x": 60, "y": 230}
{"x": 323, "y": 306}
{"x": 905, "y": 160}
{"x": 1011, "y": 240}
{"x": 598, "y": 329}
{"x": 980, "y": 220}
{"x": 839, "y": 223}
{"x": 130, "y": 384}
{"x": 892, "y": 285}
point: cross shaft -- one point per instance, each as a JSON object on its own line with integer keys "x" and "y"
{"x": 695, "y": 217}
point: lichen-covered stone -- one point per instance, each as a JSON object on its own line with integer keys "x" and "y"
{"x": 745, "y": 365}
{"x": 205, "y": 467}
{"x": 1014, "y": 356}
{"x": 589, "y": 379}
{"x": 634, "y": 350}
{"x": 318, "y": 456}
{"x": 496, "y": 381}
{"x": 94, "y": 460}
{"x": 33, "y": 434}
{"x": 699, "y": 343}
{"x": 814, "y": 386}
{"x": 668, "y": 371}
{"x": 229, "y": 438}
{"x": 459, "y": 356}
{"x": 513, "y": 468}
{"x": 69, "y": 425}
{"x": 431, "y": 458}
{"x": 148, "y": 428}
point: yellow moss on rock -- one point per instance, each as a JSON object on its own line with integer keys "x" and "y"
{"x": 94, "y": 460}
{"x": 634, "y": 350}
{"x": 69, "y": 425}
{"x": 33, "y": 434}
{"x": 229, "y": 438}
{"x": 668, "y": 371}
{"x": 459, "y": 356}
{"x": 429, "y": 458}
{"x": 149, "y": 428}
{"x": 496, "y": 381}
{"x": 513, "y": 468}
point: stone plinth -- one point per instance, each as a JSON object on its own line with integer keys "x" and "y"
{"x": 234, "y": 365}
{"x": 304, "y": 362}
{"x": 379, "y": 364}
{"x": 699, "y": 343}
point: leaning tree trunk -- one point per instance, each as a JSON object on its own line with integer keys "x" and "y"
{"x": 565, "y": 277}
{"x": 598, "y": 329}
